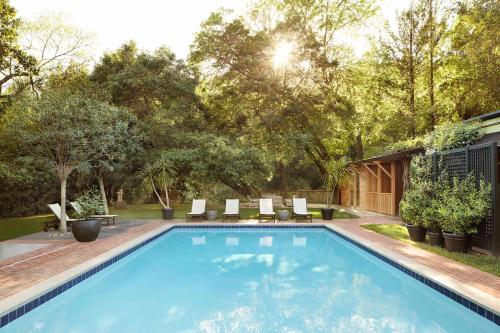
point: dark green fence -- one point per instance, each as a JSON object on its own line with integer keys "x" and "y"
{"x": 483, "y": 160}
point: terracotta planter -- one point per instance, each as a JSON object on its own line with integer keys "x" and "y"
{"x": 435, "y": 238}
{"x": 168, "y": 213}
{"x": 456, "y": 243}
{"x": 327, "y": 213}
{"x": 416, "y": 233}
{"x": 86, "y": 230}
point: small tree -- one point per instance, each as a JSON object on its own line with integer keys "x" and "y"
{"x": 338, "y": 173}
{"x": 64, "y": 130}
{"x": 159, "y": 175}
{"x": 118, "y": 140}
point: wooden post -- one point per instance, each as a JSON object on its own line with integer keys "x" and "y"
{"x": 393, "y": 189}
{"x": 379, "y": 188}
{"x": 355, "y": 190}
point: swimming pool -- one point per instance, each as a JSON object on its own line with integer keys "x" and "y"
{"x": 250, "y": 280}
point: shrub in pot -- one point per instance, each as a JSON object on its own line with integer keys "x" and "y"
{"x": 463, "y": 205}
{"x": 417, "y": 199}
{"x": 338, "y": 173}
{"x": 431, "y": 217}
{"x": 411, "y": 208}
{"x": 160, "y": 175}
{"x": 87, "y": 228}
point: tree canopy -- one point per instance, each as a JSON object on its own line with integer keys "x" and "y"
{"x": 269, "y": 99}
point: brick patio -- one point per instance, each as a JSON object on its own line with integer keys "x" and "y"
{"x": 23, "y": 271}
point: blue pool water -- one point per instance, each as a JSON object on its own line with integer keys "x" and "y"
{"x": 250, "y": 280}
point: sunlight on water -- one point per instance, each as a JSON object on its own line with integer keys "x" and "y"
{"x": 247, "y": 280}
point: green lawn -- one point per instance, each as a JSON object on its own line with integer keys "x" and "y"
{"x": 20, "y": 226}
{"x": 485, "y": 263}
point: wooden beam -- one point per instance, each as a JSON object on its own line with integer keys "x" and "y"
{"x": 379, "y": 190}
{"x": 355, "y": 190}
{"x": 371, "y": 171}
{"x": 383, "y": 169}
{"x": 393, "y": 189}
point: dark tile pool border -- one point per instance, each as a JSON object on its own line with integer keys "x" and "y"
{"x": 20, "y": 311}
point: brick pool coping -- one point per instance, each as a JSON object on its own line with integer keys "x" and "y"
{"x": 90, "y": 258}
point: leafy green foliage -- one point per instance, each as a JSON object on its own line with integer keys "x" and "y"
{"x": 417, "y": 202}
{"x": 451, "y": 136}
{"x": 14, "y": 62}
{"x": 159, "y": 175}
{"x": 338, "y": 173}
{"x": 89, "y": 204}
{"x": 463, "y": 204}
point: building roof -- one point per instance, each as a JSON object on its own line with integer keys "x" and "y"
{"x": 487, "y": 138}
{"x": 486, "y": 116}
{"x": 392, "y": 156}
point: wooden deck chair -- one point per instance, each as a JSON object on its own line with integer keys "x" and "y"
{"x": 232, "y": 209}
{"x": 299, "y": 210}
{"x": 197, "y": 210}
{"x": 56, "y": 210}
{"x": 266, "y": 210}
{"x": 107, "y": 218}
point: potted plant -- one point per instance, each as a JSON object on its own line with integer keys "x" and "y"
{"x": 411, "y": 209}
{"x": 338, "y": 173}
{"x": 86, "y": 228}
{"x": 160, "y": 175}
{"x": 430, "y": 219}
{"x": 463, "y": 205}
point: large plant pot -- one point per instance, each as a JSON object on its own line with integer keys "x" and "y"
{"x": 283, "y": 215}
{"x": 435, "y": 238}
{"x": 168, "y": 213}
{"x": 86, "y": 230}
{"x": 211, "y": 215}
{"x": 327, "y": 213}
{"x": 456, "y": 243}
{"x": 416, "y": 232}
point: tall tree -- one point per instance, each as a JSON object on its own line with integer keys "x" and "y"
{"x": 472, "y": 63}
{"x": 404, "y": 49}
{"x": 435, "y": 28}
{"x": 14, "y": 62}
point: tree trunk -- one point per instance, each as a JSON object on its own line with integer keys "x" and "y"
{"x": 431, "y": 64}
{"x": 167, "y": 198}
{"x": 284, "y": 179}
{"x": 63, "y": 228}
{"x": 103, "y": 194}
{"x": 411, "y": 74}
{"x": 157, "y": 194}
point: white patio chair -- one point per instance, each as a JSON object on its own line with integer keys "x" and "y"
{"x": 266, "y": 210}
{"x": 104, "y": 217}
{"x": 232, "y": 209}
{"x": 299, "y": 210}
{"x": 197, "y": 210}
{"x": 56, "y": 210}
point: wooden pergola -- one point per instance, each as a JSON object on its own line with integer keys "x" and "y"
{"x": 379, "y": 182}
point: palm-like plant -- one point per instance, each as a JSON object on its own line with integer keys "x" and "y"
{"x": 159, "y": 175}
{"x": 338, "y": 173}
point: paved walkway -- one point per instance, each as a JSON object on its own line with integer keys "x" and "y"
{"x": 21, "y": 272}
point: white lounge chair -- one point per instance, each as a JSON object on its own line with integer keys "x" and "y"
{"x": 197, "y": 209}
{"x": 299, "y": 210}
{"x": 107, "y": 218}
{"x": 266, "y": 210}
{"x": 56, "y": 210}
{"x": 232, "y": 209}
